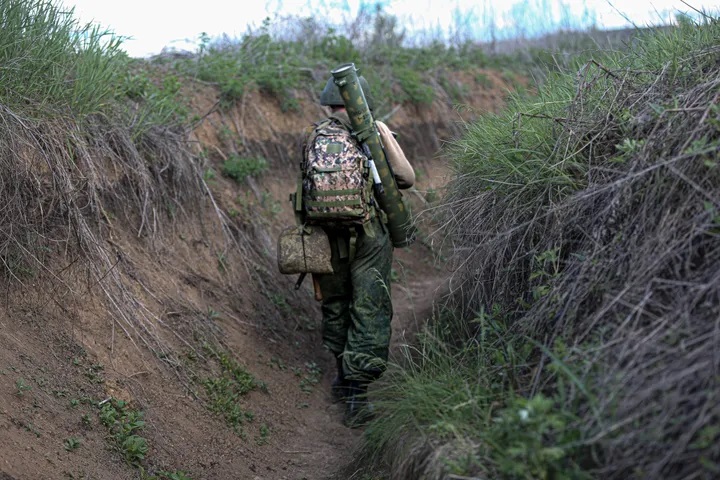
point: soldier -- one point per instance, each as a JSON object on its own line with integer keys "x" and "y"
{"x": 356, "y": 303}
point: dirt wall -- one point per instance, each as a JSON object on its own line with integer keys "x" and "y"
{"x": 204, "y": 291}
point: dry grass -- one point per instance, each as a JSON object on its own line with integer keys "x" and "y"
{"x": 69, "y": 188}
{"x": 623, "y": 270}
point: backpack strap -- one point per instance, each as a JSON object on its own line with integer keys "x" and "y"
{"x": 347, "y": 250}
{"x": 296, "y": 198}
{"x": 375, "y": 211}
{"x": 352, "y": 244}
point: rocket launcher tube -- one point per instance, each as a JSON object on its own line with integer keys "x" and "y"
{"x": 402, "y": 230}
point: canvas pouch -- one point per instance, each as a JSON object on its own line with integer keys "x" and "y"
{"x": 304, "y": 249}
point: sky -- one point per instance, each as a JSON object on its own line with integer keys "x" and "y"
{"x": 149, "y": 26}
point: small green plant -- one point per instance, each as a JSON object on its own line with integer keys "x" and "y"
{"x": 32, "y": 429}
{"x": 394, "y": 276}
{"x": 86, "y": 420}
{"x": 311, "y": 377}
{"x": 431, "y": 196}
{"x": 546, "y": 267}
{"x": 270, "y": 205}
{"x": 225, "y": 390}
{"x": 538, "y": 439}
{"x": 279, "y": 301}
{"x": 222, "y": 262}
{"x": 123, "y": 423}
{"x": 94, "y": 373}
{"x": 21, "y": 387}
{"x": 238, "y": 168}
{"x": 209, "y": 174}
{"x": 483, "y": 80}
{"x": 264, "y": 433}
{"x": 165, "y": 475}
{"x": 134, "y": 448}
{"x": 71, "y": 444}
{"x": 414, "y": 87}
{"x": 278, "y": 363}
{"x": 627, "y": 149}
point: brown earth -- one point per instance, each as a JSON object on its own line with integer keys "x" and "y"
{"x": 201, "y": 284}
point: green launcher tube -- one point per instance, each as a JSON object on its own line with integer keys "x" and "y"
{"x": 400, "y": 223}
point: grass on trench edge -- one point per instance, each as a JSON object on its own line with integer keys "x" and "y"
{"x": 465, "y": 395}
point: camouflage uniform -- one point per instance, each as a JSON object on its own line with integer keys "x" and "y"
{"x": 357, "y": 307}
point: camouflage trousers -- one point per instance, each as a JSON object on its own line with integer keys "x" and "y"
{"x": 357, "y": 307}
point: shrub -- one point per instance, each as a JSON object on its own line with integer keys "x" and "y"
{"x": 238, "y": 168}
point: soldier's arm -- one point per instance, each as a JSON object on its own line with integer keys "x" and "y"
{"x": 404, "y": 173}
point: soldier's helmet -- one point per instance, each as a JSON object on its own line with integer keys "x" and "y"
{"x": 330, "y": 96}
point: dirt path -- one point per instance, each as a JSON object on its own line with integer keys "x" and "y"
{"x": 317, "y": 445}
{"x": 313, "y": 444}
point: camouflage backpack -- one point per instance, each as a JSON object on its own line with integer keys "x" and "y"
{"x": 333, "y": 185}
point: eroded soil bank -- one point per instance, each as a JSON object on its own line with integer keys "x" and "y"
{"x": 211, "y": 312}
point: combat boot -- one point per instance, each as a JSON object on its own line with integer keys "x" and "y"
{"x": 358, "y": 410}
{"x": 339, "y": 387}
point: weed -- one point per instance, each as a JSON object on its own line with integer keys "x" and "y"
{"x": 270, "y": 205}
{"x": 431, "y": 196}
{"x": 222, "y": 262}
{"x": 238, "y": 168}
{"x": 278, "y": 363}
{"x": 93, "y": 373}
{"x": 86, "y": 420}
{"x": 224, "y": 391}
{"x": 71, "y": 444}
{"x": 457, "y": 91}
{"x": 546, "y": 267}
{"x": 134, "y": 448}
{"x": 165, "y": 475}
{"x": 538, "y": 437}
{"x": 30, "y": 427}
{"x": 311, "y": 377}
{"x": 264, "y": 434}
{"x": 212, "y": 314}
{"x": 155, "y": 103}
{"x": 279, "y": 301}
{"x": 209, "y": 174}
{"x": 483, "y": 80}
{"x": 394, "y": 276}
{"x": 123, "y": 423}
{"x": 21, "y": 387}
